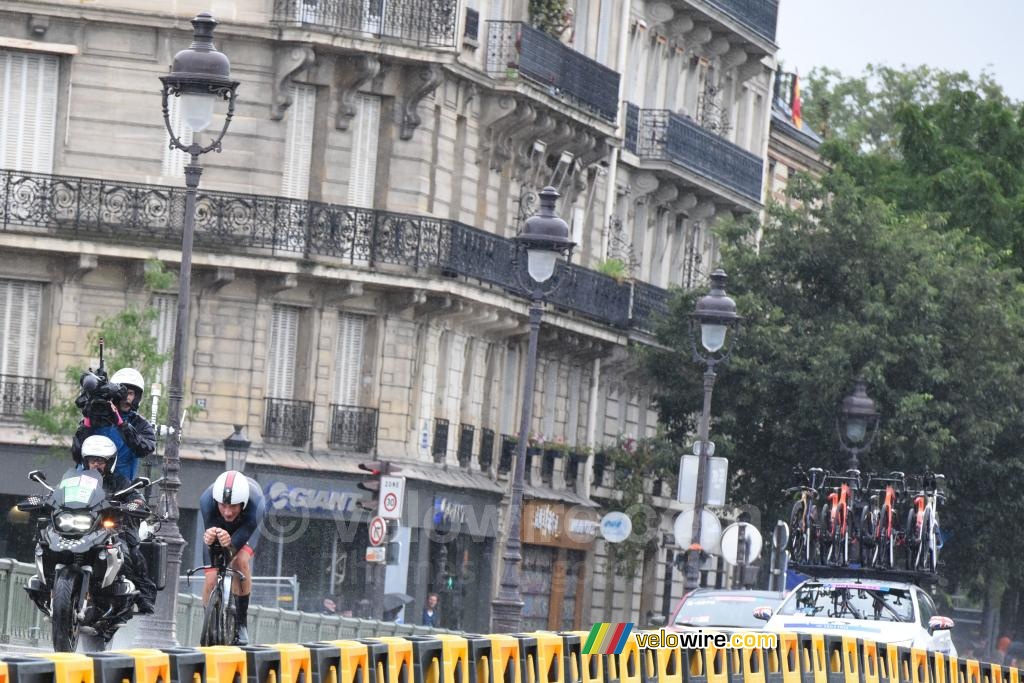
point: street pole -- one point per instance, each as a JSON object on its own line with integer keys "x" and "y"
{"x": 692, "y": 574}
{"x": 158, "y": 629}
{"x": 507, "y": 608}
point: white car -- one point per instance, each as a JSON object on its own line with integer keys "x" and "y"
{"x": 883, "y": 611}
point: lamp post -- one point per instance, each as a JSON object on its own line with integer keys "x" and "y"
{"x": 236, "y": 449}
{"x": 857, "y": 424}
{"x": 545, "y": 238}
{"x": 200, "y": 75}
{"x": 712, "y": 318}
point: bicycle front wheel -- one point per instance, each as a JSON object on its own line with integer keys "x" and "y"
{"x": 213, "y": 620}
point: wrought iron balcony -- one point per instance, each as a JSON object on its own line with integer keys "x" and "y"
{"x": 518, "y": 50}
{"x": 486, "y": 449}
{"x": 439, "y": 447}
{"x": 260, "y": 225}
{"x": 508, "y": 452}
{"x": 18, "y": 394}
{"x": 663, "y": 135}
{"x": 428, "y": 23}
{"x": 353, "y": 428}
{"x": 288, "y": 421}
{"x": 465, "y": 451}
{"x": 760, "y": 16}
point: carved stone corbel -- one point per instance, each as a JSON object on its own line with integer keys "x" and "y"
{"x": 697, "y": 37}
{"x": 718, "y": 47}
{"x": 335, "y": 296}
{"x": 405, "y": 300}
{"x": 289, "y": 60}
{"x": 77, "y": 267}
{"x": 642, "y": 184}
{"x": 679, "y": 27}
{"x": 750, "y": 70}
{"x": 522, "y": 152}
{"x": 351, "y": 74}
{"x": 429, "y": 76}
{"x": 666, "y": 193}
{"x": 704, "y": 210}
{"x": 506, "y": 326}
{"x": 470, "y": 92}
{"x": 685, "y": 204}
{"x": 501, "y": 145}
{"x": 734, "y": 57}
{"x": 561, "y": 139}
{"x": 215, "y": 280}
{"x": 272, "y": 284}
{"x": 433, "y": 307}
{"x": 658, "y": 13}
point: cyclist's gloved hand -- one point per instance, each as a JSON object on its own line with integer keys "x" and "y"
{"x": 224, "y": 538}
{"x": 210, "y": 535}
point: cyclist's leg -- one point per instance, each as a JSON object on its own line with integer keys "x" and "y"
{"x": 209, "y": 575}
{"x": 242, "y": 587}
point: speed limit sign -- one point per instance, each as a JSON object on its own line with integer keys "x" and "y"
{"x": 378, "y": 530}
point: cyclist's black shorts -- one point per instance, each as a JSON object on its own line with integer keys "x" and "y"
{"x": 249, "y": 547}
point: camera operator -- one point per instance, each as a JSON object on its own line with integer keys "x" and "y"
{"x": 110, "y": 409}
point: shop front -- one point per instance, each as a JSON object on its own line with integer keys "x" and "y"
{"x": 452, "y": 555}
{"x": 557, "y": 538}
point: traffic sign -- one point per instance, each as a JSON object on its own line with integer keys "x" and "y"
{"x": 375, "y": 555}
{"x": 378, "y": 531}
{"x": 716, "y": 476}
{"x": 710, "y": 531}
{"x": 392, "y": 495}
{"x": 731, "y": 542}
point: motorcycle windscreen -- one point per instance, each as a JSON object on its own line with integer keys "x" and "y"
{"x": 79, "y": 490}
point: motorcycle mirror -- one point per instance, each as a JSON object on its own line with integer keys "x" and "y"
{"x": 36, "y": 475}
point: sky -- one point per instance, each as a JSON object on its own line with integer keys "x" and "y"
{"x": 956, "y": 35}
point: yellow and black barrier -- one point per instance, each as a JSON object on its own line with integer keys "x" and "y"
{"x": 538, "y": 657}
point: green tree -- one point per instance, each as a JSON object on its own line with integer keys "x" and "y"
{"x": 854, "y": 287}
{"x": 128, "y": 343}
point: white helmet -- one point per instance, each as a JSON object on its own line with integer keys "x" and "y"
{"x": 231, "y": 488}
{"x": 132, "y": 378}
{"x": 99, "y": 446}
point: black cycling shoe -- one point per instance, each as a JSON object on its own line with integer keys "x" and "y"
{"x": 241, "y": 636}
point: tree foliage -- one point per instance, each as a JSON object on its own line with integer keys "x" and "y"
{"x": 852, "y": 286}
{"x": 128, "y": 342}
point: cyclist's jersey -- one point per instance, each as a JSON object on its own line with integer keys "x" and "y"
{"x": 244, "y": 528}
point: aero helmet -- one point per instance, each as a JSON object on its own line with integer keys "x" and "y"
{"x": 231, "y": 488}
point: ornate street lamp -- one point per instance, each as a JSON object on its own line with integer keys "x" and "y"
{"x": 236, "y": 450}
{"x": 715, "y": 322}
{"x": 200, "y": 76}
{"x": 545, "y": 239}
{"x": 857, "y": 424}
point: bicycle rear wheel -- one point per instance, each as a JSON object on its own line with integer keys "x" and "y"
{"x": 797, "y": 538}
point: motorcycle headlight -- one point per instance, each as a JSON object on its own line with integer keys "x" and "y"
{"x": 69, "y": 522}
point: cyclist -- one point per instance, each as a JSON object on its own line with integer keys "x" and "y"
{"x": 232, "y": 509}
{"x": 100, "y": 454}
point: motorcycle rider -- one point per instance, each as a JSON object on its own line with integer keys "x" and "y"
{"x": 232, "y": 509}
{"x": 131, "y": 433}
{"x": 99, "y": 453}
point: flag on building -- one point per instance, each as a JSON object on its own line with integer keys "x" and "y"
{"x": 797, "y": 117}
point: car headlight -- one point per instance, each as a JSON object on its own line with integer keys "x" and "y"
{"x": 69, "y": 522}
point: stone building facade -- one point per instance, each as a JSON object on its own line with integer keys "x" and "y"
{"x": 353, "y": 284}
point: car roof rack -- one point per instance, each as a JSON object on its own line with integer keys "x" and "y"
{"x": 818, "y": 571}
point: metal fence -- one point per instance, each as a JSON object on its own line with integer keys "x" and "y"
{"x": 428, "y": 23}
{"x": 122, "y": 212}
{"x": 288, "y": 421}
{"x": 18, "y": 394}
{"x": 353, "y": 428}
{"x": 22, "y": 624}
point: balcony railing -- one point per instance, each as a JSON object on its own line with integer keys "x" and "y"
{"x": 486, "y": 449}
{"x": 353, "y": 428}
{"x": 761, "y": 16}
{"x": 664, "y": 135}
{"x": 18, "y": 394}
{"x": 518, "y": 50}
{"x": 508, "y": 453}
{"x": 465, "y": 450}
{"x": 428, "y": 23}
{"x": 137, "y": 214}
{"x": 288, "y": 421}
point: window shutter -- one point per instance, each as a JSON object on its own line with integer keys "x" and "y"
{"x": 604, "y": 24}
{"x": 298, "y": 150}
{"x": 284, "y": 333}
{"x": 364, "y": 151}
{"x": 166, "y": 306}
{"x": 348, "y": 358}
{"x": 28, "y": 110}
{"x": 20, "y": 305}
{"x": 175, "y": 159}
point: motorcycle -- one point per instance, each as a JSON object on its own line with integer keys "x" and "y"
{"x": 80, "y": 557}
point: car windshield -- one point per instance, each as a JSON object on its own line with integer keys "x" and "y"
{"x": 736, "y": 611}
{"x": 851, "y": 601}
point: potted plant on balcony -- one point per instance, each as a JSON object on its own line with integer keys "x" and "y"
{"x": 614, "y": 268}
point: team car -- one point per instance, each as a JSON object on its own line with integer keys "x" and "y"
{"x": 882, "y": 611}
{"x": 722, "y": 610}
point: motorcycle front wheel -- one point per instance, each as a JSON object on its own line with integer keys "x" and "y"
{"x": 65, "y": 619}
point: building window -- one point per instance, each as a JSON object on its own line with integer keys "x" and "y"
{"x": 28, "y": 110}
{"x": 284, "y": 335}
{"x": 162, "y": 330}
{"x": 174, "y": 158}
{"x": 298, "y": 149}
{"x": 20, "y": 306}
{"x": 365, "y": 127}
{"x": 348, "y": 358}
